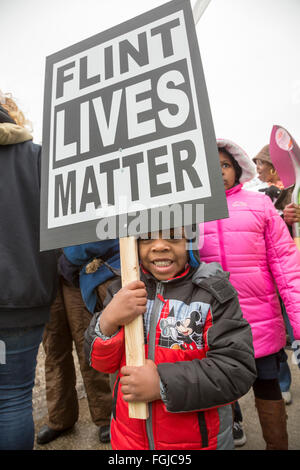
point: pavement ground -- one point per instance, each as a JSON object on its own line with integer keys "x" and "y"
{"x": 84, "y": 435}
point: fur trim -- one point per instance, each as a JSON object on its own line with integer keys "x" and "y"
{"x": 13, "y": 134}
{"x": 247, "y": 166}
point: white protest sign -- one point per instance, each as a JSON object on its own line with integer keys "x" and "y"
{"x": 127, "y": 131}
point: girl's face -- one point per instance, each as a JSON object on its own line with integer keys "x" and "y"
{"x": 264, "y": 170}
{"x": 228, "y": 171}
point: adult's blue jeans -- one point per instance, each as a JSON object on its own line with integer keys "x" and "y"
{"x": 19, "y": 347}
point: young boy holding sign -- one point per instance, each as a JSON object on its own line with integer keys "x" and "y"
{"x": 198, "y": 347}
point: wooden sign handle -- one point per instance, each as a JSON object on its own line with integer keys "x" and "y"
{"x": 134, "y": 332}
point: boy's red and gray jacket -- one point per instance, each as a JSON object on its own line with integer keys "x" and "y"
{"x": 202, "y": 346}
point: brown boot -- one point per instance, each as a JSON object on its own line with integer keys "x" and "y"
{"x": 273, "y": 421}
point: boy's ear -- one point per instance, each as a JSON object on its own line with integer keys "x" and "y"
{"x": 177, "y": 233}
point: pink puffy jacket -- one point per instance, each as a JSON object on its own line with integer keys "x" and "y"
{"x": 255, "y": 246}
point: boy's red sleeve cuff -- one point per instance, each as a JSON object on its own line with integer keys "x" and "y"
{"x": 106, "y": 354}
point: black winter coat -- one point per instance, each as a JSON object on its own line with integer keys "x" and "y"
{"x": 27, "y": 276}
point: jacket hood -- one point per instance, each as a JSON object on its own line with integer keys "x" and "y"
{"x": 97, "y": 262}
{"x": 13, "y": 134}
{"x": 247, "y": 166}
{"x": 206, "y": 270}
{"x": 4, "y": 116}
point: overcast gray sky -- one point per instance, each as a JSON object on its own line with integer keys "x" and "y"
{"x": 249, "y": 48}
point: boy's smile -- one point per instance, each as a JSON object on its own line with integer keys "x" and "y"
{"x": 164, "y": 258}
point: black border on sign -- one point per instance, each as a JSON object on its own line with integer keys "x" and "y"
{"x": 215, "y": 205}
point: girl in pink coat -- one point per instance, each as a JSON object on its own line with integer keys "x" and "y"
{"x": 255, "y": 246}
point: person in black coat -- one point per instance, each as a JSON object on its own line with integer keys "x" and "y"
{"x": 28, "y": 277}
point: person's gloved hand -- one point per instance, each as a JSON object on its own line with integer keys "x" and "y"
{"x": 291, "y": 214}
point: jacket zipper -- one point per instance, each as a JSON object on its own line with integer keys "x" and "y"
{"x": 222, "y": 251}
{"x": 151, "y": 354}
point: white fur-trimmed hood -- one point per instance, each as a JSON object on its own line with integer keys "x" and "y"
{"x": 246, "y": 164}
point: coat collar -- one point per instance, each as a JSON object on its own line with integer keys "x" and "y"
{"x": 13, "y": 134}
{"x": 233, "y": 190}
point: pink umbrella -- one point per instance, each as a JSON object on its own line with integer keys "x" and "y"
{"x": 285, "y": 156}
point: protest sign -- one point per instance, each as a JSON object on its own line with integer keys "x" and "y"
{"x": 285, "y": 156}
{"x": 128, "y": 142}
{"x": 128, "y": 132}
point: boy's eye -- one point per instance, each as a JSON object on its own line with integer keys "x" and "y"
{"x": 173, "y": 240}
{"x": 147, "y": 237}
{"x": 172, "y": 235}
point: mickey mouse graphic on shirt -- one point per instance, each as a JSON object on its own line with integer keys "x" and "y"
{"x": 188, "y": 328}
{"x": 183, "y": 334}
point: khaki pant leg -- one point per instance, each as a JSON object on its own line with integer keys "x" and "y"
{"x": 96, "y": 383}
{"x": 60, "y": 374}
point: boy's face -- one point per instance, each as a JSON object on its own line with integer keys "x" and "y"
{"x": 164, "y": 258}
